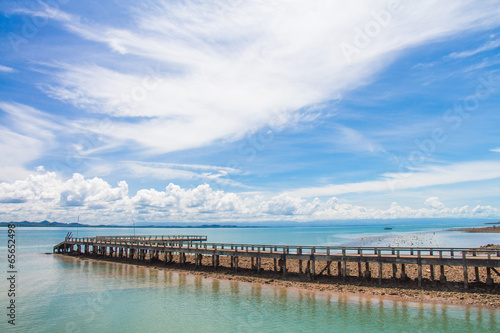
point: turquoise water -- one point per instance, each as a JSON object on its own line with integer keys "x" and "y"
{"x": 60, "y": 294}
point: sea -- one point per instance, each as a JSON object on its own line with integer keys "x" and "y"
{"x": 65, "y": 294}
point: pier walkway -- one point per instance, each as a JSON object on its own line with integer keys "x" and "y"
{"x": 168, "y": 247}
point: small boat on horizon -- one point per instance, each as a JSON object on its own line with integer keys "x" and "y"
{"x": 388, "y": 228}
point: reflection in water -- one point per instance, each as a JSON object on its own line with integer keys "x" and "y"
{"x": 215, "y": 286}
{"x": 84, "y": 295}
{"x": 256, "y": 292}
{"x": 182, "y": 281}
{"x": 235, "y": 288}
{"x": 198, "y": 286}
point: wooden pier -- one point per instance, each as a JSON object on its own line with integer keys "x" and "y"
{"x": 177, "y": 248}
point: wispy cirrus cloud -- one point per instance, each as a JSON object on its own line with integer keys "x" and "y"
{"x": 228, "y": 70}
{"x": 6, "y": 69}
{"x": 491, "y": 45}
{"x": 352, "y": 140}
{"x": 26, "y": 134}
{"x": 167, "y": 171}
{"x": 424, "y": 177}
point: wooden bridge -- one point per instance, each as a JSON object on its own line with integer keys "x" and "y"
{"x": 164, "y": 248}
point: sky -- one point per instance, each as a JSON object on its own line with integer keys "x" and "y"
{"x": 249, "y": 111}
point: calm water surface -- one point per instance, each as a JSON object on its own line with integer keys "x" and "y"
{"x": 59, "y": 294}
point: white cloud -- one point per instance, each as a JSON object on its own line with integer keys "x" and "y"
{"x": 350, "y": 140}
{"x": 47, "y": 196}
{"x": 426, "y": 177}
{"x": 6, "y": 69}
{"x": 26, "y": 135}
{"x": 433, "y": 202}
{"x": 496, "y": 150}
{"x": 491, "y": 45}
{"x": 167, "y": 171}
{"x": 222, "y": 70}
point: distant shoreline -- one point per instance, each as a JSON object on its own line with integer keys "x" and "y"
{"x": 384, "y": 224}
{"x": 46, "y": 224}
{"x": 492, "y": 229}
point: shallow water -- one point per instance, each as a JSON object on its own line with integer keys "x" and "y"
{"x": 60, "y": 294}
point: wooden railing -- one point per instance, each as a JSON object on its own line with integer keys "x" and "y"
{"x": 186, "y": 241}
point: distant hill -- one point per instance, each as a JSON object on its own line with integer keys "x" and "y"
{"x": 264, "y": 224}
{"x": 81, "y": 225}
{"x": 44, "y": 224}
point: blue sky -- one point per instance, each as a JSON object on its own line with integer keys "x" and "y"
{"x": 179, "y": 111}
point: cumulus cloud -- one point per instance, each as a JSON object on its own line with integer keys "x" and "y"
{"x": 48, "y": 196}
{"x": 433, "y": 202}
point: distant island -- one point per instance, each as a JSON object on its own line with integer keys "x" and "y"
{"x": 81, "y": 225}
{"x": 197, "y": 224}
{"x": 492, "y": 229}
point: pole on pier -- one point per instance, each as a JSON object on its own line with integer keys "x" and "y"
{"x": 283, "y": 266}
{"x": 380, "y": 267}
{"x": 299, "y": 251}
{"x": 367, "y": 273}
{"x": 466, "y": 275}
{"x": 328, "y": 263}
{"x": 489, "y": 280}
{"x": 419, "y": 263}
{"x": 344, "y": 265}
{"x": 313, "y": 263}
{"x": 360, "y": 270}
{"x": 442, "y": 275}
{"x": 403, "y": 272}
{"x": 258, "y": 260}
{"x": 431, "y": 252}
{"x": 476, "y": 269}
